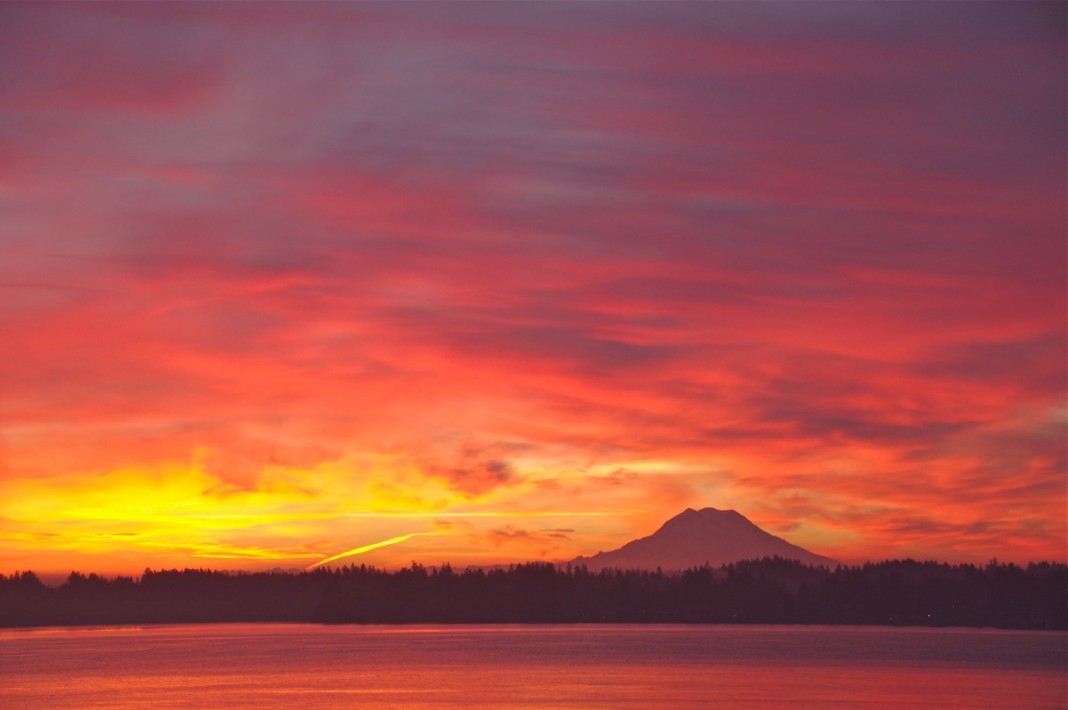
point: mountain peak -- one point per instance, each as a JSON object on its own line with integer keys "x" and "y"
{"x": 706, "y": 516}
{"x": 698, "y": 537}
{"x": 709, "y": 511}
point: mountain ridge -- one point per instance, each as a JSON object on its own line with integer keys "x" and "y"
{"x": 693, "y": 538}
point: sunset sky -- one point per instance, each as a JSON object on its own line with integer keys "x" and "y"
{"x": 497, "y": 282}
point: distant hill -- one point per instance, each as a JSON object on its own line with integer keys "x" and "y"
{"x": 697, "y": 537}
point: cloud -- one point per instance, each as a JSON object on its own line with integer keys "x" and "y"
{"x": 552, "y": 543}
{"x": 477, "y": 478}
{"x": 807, "y": 260}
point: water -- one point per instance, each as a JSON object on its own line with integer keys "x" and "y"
{"x": 520, "y": 667}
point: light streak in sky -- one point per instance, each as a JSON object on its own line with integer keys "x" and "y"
{"x": 419, "y": 514}
{"x": 368, "y": 548}
{"x": 494, "y": 514}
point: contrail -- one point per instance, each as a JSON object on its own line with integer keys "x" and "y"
{"x": 486, "y": 514}
{"x": 368, "y": 548}
{"x": 403, "y": 514}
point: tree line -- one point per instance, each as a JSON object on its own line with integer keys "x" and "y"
{"x": 766, "y": 591}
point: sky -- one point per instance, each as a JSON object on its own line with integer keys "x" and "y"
{"x": 483, "y": 283}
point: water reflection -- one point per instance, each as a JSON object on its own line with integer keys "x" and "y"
{"x": 409, "y": 667}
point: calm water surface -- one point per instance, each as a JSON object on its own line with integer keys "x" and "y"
{"x": 412, "y": 667}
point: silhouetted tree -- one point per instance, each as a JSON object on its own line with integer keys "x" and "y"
{"x": 770, "y": 590}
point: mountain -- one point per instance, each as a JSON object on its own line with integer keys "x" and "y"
{"x": 697, "y": 537}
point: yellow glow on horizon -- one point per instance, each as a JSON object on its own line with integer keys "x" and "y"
{"x": 180, "y": 513}
{"x": 222, "y": 551}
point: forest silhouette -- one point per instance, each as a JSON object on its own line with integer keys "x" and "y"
{"x": 766, "y": 591}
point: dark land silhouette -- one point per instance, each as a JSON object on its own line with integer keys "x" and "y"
{"x": 766, "y": 591}
{"x": 701, "y": 537}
